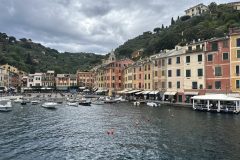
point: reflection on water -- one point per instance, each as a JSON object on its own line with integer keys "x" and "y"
{"x": 119, "y": 131}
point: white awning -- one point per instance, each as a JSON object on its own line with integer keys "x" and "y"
{"x": 139, "y": 93}
{"x": 123, "y": 91}
{"x": 82, "y": 87}
{"x": 170, "y": 93}
{"x": 146, "y": 92}
{"x": 191, "y": 93}
{"x": 133, "y": 91}
{"x": 86, "y": 90}
{"x": 216, "y": 97}
{"x": 154, "y": 92}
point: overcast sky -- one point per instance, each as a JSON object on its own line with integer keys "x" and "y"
{"x": 87, "y": 25}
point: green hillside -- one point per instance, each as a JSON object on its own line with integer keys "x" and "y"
{"x": 32, "y": 57}
{"x": 214, "y": 23}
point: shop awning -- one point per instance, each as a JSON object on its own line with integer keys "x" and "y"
{"x": 123, "y": 91}
{"x": 170, "y": 93}
{"x": 82, "y": 87}
{"x": 133, "y": 91}
{"x": 86, "y": 90}
{"x": 154, "y": 92}
{"x": 190, "y": 93}
{"x": 140, "y": 92}
{"x": 146, "y": 92}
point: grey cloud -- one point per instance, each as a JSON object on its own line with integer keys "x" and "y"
{"x": 84, "y": 25}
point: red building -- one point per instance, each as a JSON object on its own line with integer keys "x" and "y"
{"x": 217, "y": 65}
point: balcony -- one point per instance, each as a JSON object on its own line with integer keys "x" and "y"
{"x": 194, "y": 50}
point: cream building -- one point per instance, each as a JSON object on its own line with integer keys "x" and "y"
{"x": 194, "y": 69}
{"x": 174, "y": 74}
{"x": 196, "y": 10}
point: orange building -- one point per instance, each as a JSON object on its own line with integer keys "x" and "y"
{"x": 85, "y": 79}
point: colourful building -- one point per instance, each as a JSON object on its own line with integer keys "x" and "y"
{"x": 85, "y": 79}
{"x": 194, "y": 70}
{"x": 217, "y": 65}
{"x": 235, "y": 59}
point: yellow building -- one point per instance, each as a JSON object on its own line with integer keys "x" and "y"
{"x": 235, "y": 59}
{"x": 9, "y": 68}
{"x": 148, "y": 75}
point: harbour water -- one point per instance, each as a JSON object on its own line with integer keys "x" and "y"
{"x": 117, "y": 131}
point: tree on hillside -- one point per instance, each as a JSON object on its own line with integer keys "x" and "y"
{"x": 23, "y": 40}
{"x": 157, "y": 30}
{"x": 12, "y": 39}
{"x": 172, "y": 21}
{"x": 162, "y": 27}
{"x": 212, "y": 7}
{"x": 29, "y": 59}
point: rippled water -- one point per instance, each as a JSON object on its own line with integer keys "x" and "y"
{"x": 33, "y": 132}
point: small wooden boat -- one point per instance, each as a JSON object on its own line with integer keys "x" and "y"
{"x": 35, "y": 102}
{"x": 153, "y": 104}
{"x": 98, "y": 102}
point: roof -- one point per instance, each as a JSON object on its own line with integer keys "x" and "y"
{"x": 200, "y": 4}
{"x": 218, "y": 97}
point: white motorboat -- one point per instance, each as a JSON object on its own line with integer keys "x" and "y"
{"x": 153, "y": 104}
{"x": 75, "y": 104}
{"x": 35, "y": 102}
{"x": 7, "y": 107}
{"x": 98, "y": 102}
{"x": 50, "y": 105}
{"x": 120, "y": 99}
{"x": 18, "y": 100}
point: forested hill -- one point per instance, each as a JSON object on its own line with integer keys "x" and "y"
{"x": 33, "y": 57}
{"x": 214, "y": 23}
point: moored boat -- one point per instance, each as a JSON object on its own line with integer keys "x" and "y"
{"x": 49, "y": 105}
{"x": 85, "y": 103}
{"x": 98, "y": 102}
{"x": 153, "y": 104}
{"x": 75, "y": 104}
{"x": 7, "y": 107}
{"x": 35, "y": 102}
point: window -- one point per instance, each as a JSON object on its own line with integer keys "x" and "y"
{"x": 194, "y": 85}
{"x": 198, "y": 48}
{"x": 163, "y": 85}
{"x": 145, "y": 67}
{"x": 178, "y": 84}
{"x": 169, "y": 84}
{"x": 190, "y": 48}
{"x": 225, "y": 56}
{"x": 217, "y": 84}
{"x": 163, "y": 73}
{"x": 237, "y": 70}
{"x": 209, "y": 86}
{"x": 149, "y": 68}
{"x": 218, "y": 71}
{"x": 187, "y": 59}
{"x": 238, "y": 53}
{"x": 199, "y": 58}
{"x": 169, "y": 73}
{"x": 134, "y": 77}
{"x": 148, "y": 85}
{"x": 188, "y": 73}
{"x": 156, "y": 73}
{"x": 140, "y": 77}
{"x": 214, "y": 46}
{"x": 149, "y": 76}
{"x": 169, "y": 61}
{"x": 200, "y": 72}
{"x": 145, "y": 76}
{"x": 178, "y": 60}
{"x": 201, "y": 86}
{"x": 140, "y": 68}
{"x": 238, "y": 42}
{"x": 210, "y": 57}
{"x": 237, "y": 84}
{"x": 178, "y": 72}
{"x": 163, "y": 62}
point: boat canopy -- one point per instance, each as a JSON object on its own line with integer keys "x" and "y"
{"x": 216, "y": 97}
